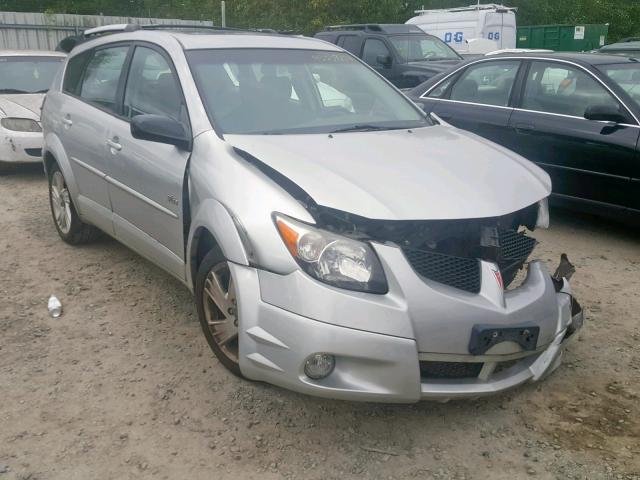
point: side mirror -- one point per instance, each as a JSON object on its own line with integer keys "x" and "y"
{"x": 157, "y": 128}
{"x": 605, "y": 113}
{"x": 384, "y": 60}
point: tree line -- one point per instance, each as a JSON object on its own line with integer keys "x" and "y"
{"x": 310, "y": 16}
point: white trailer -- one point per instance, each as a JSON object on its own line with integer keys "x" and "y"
{"x": 455, "y": 26}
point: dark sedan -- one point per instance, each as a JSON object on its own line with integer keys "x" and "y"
{"x": 575, "y": 115}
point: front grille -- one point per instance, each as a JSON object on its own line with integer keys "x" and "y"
{"x": 515, "y": 248}
{"x": 458, "y": 272}
{"x": 450, "y": 369}
{"x": 463, "y": 273}
{"x": 34, "y": 152}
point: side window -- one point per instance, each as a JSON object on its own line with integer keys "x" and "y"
{"x": 373, "y": 49}
{"x": 152, "y": 87}
{"x": 351, "y": 43}
{"x": 558, "y": 88}
{"x": 441, "y": 89}
{"x": 73, "y": 73}
{"x": 486, "y": 83}
{"x": 101, "y": 77}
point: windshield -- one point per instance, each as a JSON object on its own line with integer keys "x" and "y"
{"x": 627, "y": 76}
{"x": 418, "y": 48}
{"x": 260, "y": 91}
{"x": 28, "y": 74}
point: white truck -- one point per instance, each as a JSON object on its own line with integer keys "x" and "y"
{"x": 458, "y": 26}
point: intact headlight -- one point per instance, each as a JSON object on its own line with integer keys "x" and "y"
{"x": 332, "y": 259}
{"x": 543, "y": 213}
{"x": 21, "y": 124}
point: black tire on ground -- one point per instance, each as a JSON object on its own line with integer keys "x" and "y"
{"x": 213, "y": 258}
{"x": 79, "y": 232}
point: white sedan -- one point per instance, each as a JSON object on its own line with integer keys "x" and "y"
{"x": 25, "y": 77}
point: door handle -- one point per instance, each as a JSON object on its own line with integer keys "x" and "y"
{"x": 67, "y": 121}
{"x": 113, "y": 144}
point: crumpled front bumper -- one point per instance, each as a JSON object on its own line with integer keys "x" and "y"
{"x": 20, "y": 147}
{"x": 277, "y": 334}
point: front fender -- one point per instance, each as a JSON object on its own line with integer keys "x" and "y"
{"x": 214, "y": 217}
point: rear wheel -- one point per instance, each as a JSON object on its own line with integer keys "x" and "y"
{"x": 218, "y": 308}
{"x": 68, "y": 224}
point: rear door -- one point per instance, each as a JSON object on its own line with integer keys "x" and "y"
{"x": 92, "y": 81}
{"x": 586, "y": 159}
{"x": 478, "y": 98}
{"x": 147, "y": 178}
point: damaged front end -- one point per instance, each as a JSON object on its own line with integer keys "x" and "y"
{"x": 463, "y": 310}
{"x": 447, "y": 251}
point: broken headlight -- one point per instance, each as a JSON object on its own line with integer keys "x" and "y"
{"x": 21, "y": 124}
{"x": 332, "y": 259}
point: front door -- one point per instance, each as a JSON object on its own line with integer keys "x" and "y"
{"x": 478, "y": 99}
{"x": 147, "y": 178}
{"x": 586, "y": 159}
{"x": 377, "y": 54}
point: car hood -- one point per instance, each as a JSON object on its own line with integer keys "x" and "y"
{"x": 22, "y": 106}
{"x": 435, "y": 66}
{"x": 436, "y": 172}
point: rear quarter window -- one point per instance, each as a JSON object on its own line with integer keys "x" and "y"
{"x": 73, "y": 73}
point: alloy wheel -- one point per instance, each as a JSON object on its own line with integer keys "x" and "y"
{"x": 60, "y": 202}
{"x": 220, "y": 309}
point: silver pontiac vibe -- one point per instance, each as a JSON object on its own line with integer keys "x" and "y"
{"x": 338, "y": 242}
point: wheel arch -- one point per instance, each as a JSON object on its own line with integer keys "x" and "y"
{"x": 212, "y": 226}
{"x": 53, "y": 153}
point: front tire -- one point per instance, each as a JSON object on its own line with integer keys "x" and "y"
{"x": 68, "y": 224}
{"x": 218, "y": 309}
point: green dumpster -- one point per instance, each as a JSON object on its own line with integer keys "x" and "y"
{"x": 563, "y": 38}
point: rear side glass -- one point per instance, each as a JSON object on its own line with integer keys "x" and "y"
{"x": 73, "y": 73}
{"x": 102, "y": 76}
{"x": 486, "y": 83}
{"x": 441, "y": 89}
{"x": 350, "y": 43}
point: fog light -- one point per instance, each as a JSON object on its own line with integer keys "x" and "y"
{"x": 319, "y": 365}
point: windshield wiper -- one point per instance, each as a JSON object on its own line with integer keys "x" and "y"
{"x": 12, "y": 90}
{"x": 364, "y": 128}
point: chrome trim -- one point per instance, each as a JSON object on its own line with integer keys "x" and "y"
{"x": 93, "y": 170}
{"x": 557, "y": 60}
{"x": 591, "y": 172}
{"x": 528, "y": 111}
{"x": 574, "y": 117}
{"x": 125, "y": 188}
{"x": 470, "y": 103}
{"x": 139, "y": 196}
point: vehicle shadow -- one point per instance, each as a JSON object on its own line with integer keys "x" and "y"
{"x": 24, "y": 171}
{"x": 584, "y": 223}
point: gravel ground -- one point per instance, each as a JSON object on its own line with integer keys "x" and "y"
{"x": 123, "y": 385}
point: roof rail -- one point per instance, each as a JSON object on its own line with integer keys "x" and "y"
{"x": 132, "y": 27}
{"x": 356, "y": 26}
{"x": 486, "y": 6}
{"x": 390, "y": 28}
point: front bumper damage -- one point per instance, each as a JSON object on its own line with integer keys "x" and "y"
{"x": 20, "y": 147}
{"x": 382, "y": 345}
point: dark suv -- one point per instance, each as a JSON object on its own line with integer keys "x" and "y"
{"x": 403, "y": 54}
